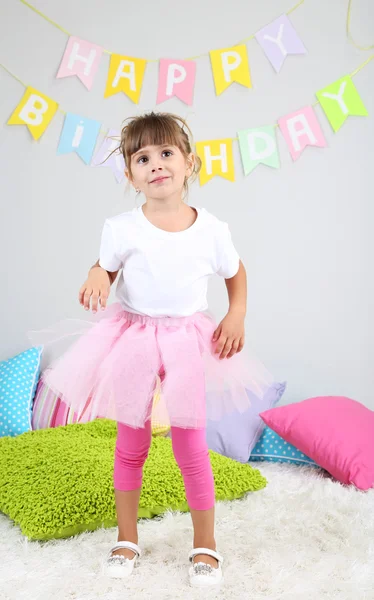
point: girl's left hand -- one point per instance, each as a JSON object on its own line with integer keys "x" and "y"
{"x": 229, "y": 335}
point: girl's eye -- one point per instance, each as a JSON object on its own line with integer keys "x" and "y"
{"x": 143, "y": 159}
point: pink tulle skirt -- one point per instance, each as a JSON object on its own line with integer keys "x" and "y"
{"x": 113, "y": 368}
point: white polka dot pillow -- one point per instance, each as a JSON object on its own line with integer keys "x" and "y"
{"x": 19, "y": 377}
{"x": 273, "y": 448}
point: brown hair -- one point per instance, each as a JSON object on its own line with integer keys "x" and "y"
{"x": 154, "y": 129}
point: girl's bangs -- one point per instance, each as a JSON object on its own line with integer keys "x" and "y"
{"x": 152, "y": 131}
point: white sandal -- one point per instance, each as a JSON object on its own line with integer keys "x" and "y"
{"x": 119, "y": 566}
{"x": 202, "y": 574}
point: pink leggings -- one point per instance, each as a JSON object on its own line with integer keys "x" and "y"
{"x": 190, "y": 451}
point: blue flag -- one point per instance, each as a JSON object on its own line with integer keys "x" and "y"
{"x": 79, "y": 135}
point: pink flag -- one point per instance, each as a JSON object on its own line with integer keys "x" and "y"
{"x": 176, "y": 78}
{"x": 301, "y": 129}
{"x": 81, "y": 58}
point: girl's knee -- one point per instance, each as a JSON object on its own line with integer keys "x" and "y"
{"x": 134, "y": 458}
{"x": 129, "y": 457}
{"x": 132, "y": 445}
{"x": 190, "y": 449}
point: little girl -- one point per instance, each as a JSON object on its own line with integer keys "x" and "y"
{"x": 160, "y": 330}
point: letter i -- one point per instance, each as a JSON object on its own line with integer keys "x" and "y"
{"x": 78, "y": 135}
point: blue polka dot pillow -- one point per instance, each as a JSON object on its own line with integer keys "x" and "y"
{"x": 19, "y": 377}
{"x": 273, "y": 448}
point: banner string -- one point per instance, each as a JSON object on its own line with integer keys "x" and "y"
{"x": 292, "y": 9}
{"x": 148, "y": 59}
{"x": 348, "y": 30}
{"x": 361, "y": 66}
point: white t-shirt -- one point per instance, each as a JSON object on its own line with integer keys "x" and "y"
{"x": 166, "y": 273}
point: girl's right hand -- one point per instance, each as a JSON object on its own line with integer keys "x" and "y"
{"x": 96, "y": 287}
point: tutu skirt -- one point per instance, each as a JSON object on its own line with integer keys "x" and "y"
{"x": 119, "y": 359}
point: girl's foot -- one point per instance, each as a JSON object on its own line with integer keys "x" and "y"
{"x": 206, "y": 567}
{"x": 121, "y": 559}
{"x": 124, "y": 552}
{"x": 204, "y": 558}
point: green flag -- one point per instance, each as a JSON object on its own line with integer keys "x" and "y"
{"x": 339, "y": 100}
{"x": 258, "y": 146}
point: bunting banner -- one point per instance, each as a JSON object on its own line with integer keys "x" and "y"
{"x": 36, "y": 111}
{"x": 257, "y": 145}
{"x": 125, "y": 74}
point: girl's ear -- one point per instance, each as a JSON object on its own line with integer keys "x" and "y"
{"x": 131, "y": 181}
{"x": 190, "y": 164}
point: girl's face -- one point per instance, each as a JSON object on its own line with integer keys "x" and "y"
{"x": 160, "y": 171}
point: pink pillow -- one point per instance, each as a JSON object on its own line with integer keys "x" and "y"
{"x": 50, "y": 411}
{"x": 336, "y": 432}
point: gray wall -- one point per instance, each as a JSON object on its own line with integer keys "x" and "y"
{"x": 304, "y": 232}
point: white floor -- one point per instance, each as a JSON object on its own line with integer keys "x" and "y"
{"x": 305, "y": 537}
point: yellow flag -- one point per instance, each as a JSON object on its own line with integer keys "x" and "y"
{"x": 125, "y": 75}
{"x": 36, "y": 111}
{"x": 217, "y": 159}
{"x": 229, "y": 65}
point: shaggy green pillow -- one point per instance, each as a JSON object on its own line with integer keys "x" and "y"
{"x": 55, "y": 483}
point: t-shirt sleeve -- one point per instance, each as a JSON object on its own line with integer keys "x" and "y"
{"x": 228, "y": 256}
{"x": 108, "y": 252}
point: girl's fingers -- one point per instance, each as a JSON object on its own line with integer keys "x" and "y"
{"x": 220, "y": 343}
{"x": 234, "y": 348}
{"x": 81, "y": 294}
{"x": 217, "y": 333}
{"x": 226, "y": 348}
{"x": 86, "y": 298}
{"x": 94, "y": 300}
{"x": 104, "y": 295}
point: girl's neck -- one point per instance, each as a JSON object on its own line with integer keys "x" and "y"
{"x": 169, "y": 216}
{"x": 164, "y": 206}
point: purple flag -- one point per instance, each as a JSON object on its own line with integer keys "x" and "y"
{"x": 279, "y": 39}
{"x": 107, "y": 156}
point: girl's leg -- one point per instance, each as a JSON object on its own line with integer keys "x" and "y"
{"x": 191, "y": 453}
{"x": 132, "y": 448}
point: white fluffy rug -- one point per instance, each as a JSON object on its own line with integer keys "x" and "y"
{"x": 304, "y": 537}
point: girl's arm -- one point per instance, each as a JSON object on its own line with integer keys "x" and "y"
{"x": 112, "y": 276}
{"x": 229, "y": 334}
{"x": 96, "y": 287}
{"x": 237, "y": 291}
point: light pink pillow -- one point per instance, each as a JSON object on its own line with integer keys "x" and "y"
{"x": 336, "y": 432}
